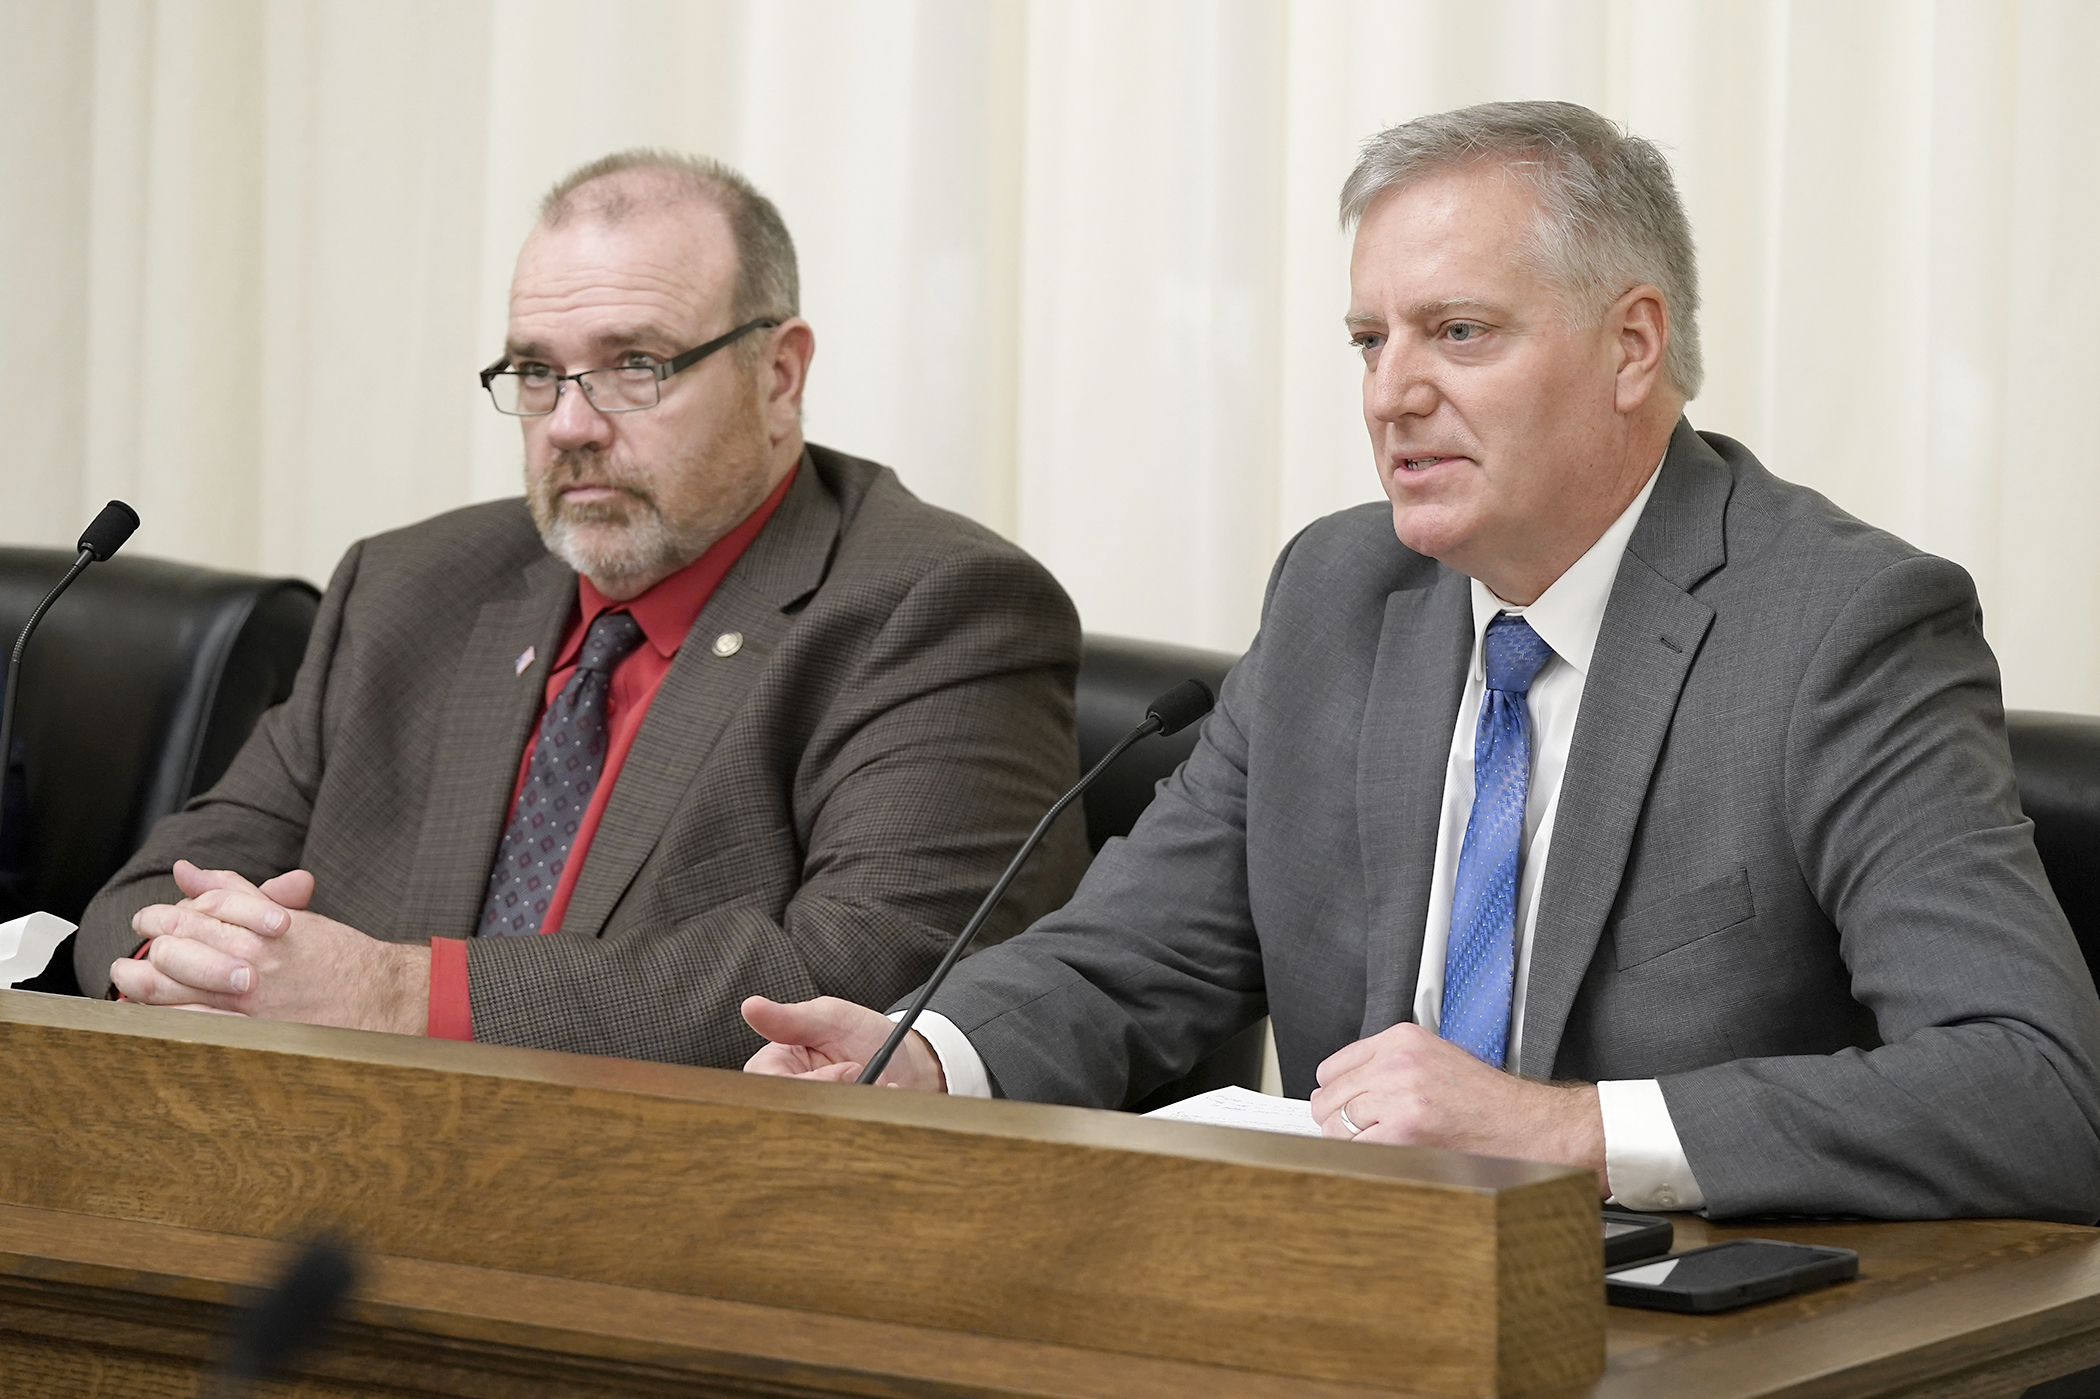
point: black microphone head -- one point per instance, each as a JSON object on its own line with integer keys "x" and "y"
{"x": 1181, "y": 706}
{"x": 292, "y": 1316}
{"x": 107, "y": 532}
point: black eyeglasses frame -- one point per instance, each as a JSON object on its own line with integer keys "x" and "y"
{"x": 682, "y": 361}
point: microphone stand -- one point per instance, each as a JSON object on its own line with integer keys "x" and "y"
{"x": 14, "y": 671}
{"x": 104, "y": 535}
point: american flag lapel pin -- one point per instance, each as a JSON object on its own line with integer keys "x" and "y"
{"x": 524, "y": 659}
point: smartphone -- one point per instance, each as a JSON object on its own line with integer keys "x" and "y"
{"x": 1723, "y": 1276}
{"x": 1630, "y": 1237}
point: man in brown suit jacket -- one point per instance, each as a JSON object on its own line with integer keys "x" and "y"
{"x": 874, "y": 707}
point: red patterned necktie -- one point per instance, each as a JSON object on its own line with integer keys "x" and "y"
{"x": 567, "y": 760}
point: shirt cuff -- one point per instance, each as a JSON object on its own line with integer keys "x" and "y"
{"x": 959, "y": 1062}
{"x": 137, "y": 954}
{"x": 1643, "y": 1160}
{"x": 451, "y": 1017}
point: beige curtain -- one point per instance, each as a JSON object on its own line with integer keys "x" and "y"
{"x": 1072, "y": 263}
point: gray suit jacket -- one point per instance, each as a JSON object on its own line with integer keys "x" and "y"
{"x": 1789, "y": 874}
{"x": 813, "y": 815}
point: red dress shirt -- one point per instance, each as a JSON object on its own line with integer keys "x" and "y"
{"x": 666, "y": 613}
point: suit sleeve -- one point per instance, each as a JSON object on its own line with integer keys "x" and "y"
{"x": 933, "y": 760}
{"x": 1155, "y": 962}
{"x": 253, "y": 820}
{"x": 1982, "y": 1097}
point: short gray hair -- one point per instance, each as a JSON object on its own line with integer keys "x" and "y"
{"x": 1609, "y": 215}
{"x": 767, "y": 283}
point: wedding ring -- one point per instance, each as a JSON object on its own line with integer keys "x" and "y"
{"x": 1354, "y": 1130}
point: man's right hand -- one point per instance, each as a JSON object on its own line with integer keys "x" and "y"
{"x": 831, "y": 1040}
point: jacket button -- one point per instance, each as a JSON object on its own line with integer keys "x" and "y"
{"x": 729, "y": 643}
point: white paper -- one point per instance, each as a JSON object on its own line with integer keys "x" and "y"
{"x": 1648, "y": 1274}
{"x": 1243, "y": 1107}
{"x": 27, "y": 943}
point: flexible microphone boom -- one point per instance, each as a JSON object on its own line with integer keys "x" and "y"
{"x": 104, "y": 535}
{"x": 1170, "y": 713}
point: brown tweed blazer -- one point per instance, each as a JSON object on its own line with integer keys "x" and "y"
{"x": 815, "y": 814}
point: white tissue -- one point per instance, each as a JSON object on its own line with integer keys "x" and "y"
{"x": 27, "y": 943}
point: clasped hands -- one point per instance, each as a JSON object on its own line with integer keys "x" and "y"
{"x": 1402, "y": 1085}
{"x": 247, "y": 949}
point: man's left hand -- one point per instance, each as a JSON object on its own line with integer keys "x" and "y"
{"x": 1405, "y": 1085}
{"x": 229, "y": 945}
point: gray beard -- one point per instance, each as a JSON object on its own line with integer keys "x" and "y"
{"x": 639, "y": 543}
{"x": 630, "y": 537}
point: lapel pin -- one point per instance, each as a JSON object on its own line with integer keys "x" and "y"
{"x": 729, "y": 643}
{"x": 524, "y": 659}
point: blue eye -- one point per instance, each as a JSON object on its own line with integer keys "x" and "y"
{"x": 1462, "y": 331}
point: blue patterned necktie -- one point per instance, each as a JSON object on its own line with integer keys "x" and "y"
{"x": 1480, "y": 962}
{"x": 567, "y": 759}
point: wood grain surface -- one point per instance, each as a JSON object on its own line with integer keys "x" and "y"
{"x": 1973, "y": 1307}
{"x": 500, "y": 1178}
{"x": 1979, "y": 1309}
{"x": 153, "y": 1295}
{"x": 1067, "y": 1229}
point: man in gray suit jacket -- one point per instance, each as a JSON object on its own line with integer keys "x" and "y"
{"x": 1605, "y": 801}
{"x": 709, "y": 710}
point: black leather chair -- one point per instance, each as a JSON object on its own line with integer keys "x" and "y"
{"x": 137, "y": 690}
{"x": 1118, "y": 677}
{"x": 2056, "y": 761}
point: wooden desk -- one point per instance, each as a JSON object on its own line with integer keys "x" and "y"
{"x": 147, "y": 1159}
{"x": 1973, "y": 1307}
{"x": 1976, "y": 1308}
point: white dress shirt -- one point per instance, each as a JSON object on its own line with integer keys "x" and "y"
{"x": 1644, "y": 1161}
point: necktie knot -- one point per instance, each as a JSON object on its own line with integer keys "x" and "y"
{"x": 609, "y": 640}
{"x": 1513, "y": 654}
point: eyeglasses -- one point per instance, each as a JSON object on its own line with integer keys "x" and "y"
{"x": 623, "y": 388}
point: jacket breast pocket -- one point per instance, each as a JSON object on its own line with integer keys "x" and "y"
{"x": 1647, "y": 933}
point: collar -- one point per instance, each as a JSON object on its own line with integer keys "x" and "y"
{"x": 668, "y": 610}
{"x": 1569, "y": 613}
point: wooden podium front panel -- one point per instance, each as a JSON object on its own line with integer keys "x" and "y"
{"x": 97, "y": 1308}
{"x": 1386, "y": 1267}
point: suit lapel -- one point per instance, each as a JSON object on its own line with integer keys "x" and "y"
{"x": 1402, "y": 751}
{"x": 1650, "y": 636}
{"x": 489, "y": 711}
{"x": 701, "y": 692}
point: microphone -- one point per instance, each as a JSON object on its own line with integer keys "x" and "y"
{"x": 107, "y": 532}
{"x": 104, "y": 535}
{"x": 1170, "y": 713}
{"x": 289, "y": 1318}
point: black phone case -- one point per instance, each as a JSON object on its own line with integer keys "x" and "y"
{"x": 1735, "y": 1274}
{"x": 1630, "y": 1237}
